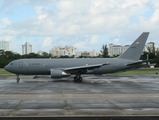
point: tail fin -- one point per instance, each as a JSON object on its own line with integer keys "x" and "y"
{"x": 136, "y": 48}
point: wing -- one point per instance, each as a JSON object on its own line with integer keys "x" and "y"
{"x": 83, "y": 69}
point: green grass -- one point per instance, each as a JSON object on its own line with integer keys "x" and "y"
{"x": 5, "y": 73}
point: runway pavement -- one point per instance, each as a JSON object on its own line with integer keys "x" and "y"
{"x": 107, "y": 96}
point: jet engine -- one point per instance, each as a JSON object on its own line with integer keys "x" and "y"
{"x": 58, "y": 73}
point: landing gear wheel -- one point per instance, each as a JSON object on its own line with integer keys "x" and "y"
{"x": 80, "y": 79}
{"x": 77, "y": 79}
{"x": 18, "y": 79}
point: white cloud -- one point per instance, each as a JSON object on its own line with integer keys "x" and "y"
{"x": 47, "y": 43}
{"x": 155, "y": 16}
{"x": 85, "y": 43}
{"x": 6, "y": 32}
{"x": 94, "y": 39}
{"x": 128, "y": 4}
{"x": 38, "y": 9}
{"x": 6, "y": 21}
{"x": 75, "y": 18}
{"x": 81, "y": 45}
{"x": 116, "y": 41}
{"x": 85, "y": 17}
{"x": 8, "y": 38}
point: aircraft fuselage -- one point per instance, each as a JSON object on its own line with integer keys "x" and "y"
{"x": 43, "y": 66}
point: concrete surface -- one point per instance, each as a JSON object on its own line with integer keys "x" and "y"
{"x": 96, "y": 96}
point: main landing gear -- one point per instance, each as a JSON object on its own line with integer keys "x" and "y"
{"x": 18, "y": 79}
{"x": 78, "y": 79}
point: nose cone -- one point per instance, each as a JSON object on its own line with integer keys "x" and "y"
{"x": 6, "y": 67}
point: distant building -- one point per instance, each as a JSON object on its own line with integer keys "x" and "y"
{"x": 117, "y": 49}
{"x": 87, "y": 54}
{"x": 67, "y": 50}
{"x": 26, "y": 48}
{"x": 150, "y": 44}
{"x": 4, "y": 45}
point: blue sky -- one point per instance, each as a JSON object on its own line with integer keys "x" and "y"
{"x": 50, "y": 23}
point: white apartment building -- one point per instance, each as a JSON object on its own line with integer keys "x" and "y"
{"x": 87, "y": 54}
{"x": 60, "y": 51}
{"x": 150, "y": 44}
{"x": 4, "y": 45}
{"x": 117, "y": 49}
{"x": 26, "y": 48}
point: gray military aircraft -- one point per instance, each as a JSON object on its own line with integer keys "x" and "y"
{"x": 59, "y": 68}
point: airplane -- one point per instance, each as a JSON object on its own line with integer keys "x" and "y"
{"x": 58, "y": 68}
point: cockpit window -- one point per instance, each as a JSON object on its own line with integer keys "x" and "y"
{"x": 11, "y": 63}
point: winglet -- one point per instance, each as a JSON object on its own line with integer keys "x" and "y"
{"x": 136, "y": 48}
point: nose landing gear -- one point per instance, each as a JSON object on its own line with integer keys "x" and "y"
{"x": 18, "y": 79}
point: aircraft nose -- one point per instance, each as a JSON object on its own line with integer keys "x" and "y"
{"x": 6, "y": 67}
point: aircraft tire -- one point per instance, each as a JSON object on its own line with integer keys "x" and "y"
{"x": 18, "y": 79}
{"x": 80, "y": 79}
{"x": 75, "y": 79}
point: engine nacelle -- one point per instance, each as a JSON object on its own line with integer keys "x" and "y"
{"x": 58, "y": 73}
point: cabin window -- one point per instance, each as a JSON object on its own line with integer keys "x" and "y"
{"x": 11, "y": 63}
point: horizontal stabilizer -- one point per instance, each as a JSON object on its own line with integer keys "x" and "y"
{"x": 137, "y": 63}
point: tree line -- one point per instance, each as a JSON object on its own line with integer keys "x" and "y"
{"x": 8, "y": 56}
{"x": 152, "y": 55}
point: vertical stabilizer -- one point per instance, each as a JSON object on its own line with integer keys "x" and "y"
{"x": 136, "y": 48}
